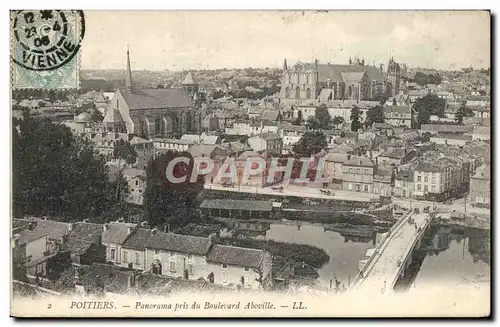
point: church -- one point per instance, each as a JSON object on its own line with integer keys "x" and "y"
{"x": 154, "y": 113}
{"x": 319, "y": 82}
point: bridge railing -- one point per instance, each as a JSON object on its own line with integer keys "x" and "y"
{"x": 381, "y": 246}
{"x": 412, "y": 245}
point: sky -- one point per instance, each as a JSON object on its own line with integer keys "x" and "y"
{"x": 183, "y": 40}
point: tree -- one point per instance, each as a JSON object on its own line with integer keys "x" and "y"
{"x": 310, "y": 143}
{"x": 355, "y": 119}
{"x": 429, "y": 105}
{"x": 56, "y": 174}
{"x": 97, "y": 116}
{"x": 375, "y": 115}
{"x": 167, "y": 203}
{"x": 321, "y": 120}
{"x": 125, "y": 151}
{"x": 463, "y": 111}
{"x": 337, "y": 120}
{"x": 298, "y": 121}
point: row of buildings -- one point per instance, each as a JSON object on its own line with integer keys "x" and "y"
{"x": 38, "y": 243}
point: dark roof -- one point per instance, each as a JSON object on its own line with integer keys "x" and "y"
{"x": 116, "y": 232}
{"x": 78, "y": 246}
{"x": 359, "y": 161}
{"x": 156, "y": 98}
{"x": 85, "y": 231}
{"x": 405, "y": 175}
{"x": 113, "y": 278}
{"x": 236, "y": 256}
{"x": 179, "y": 243}
{"x": 230, "y": 204}
{"x": 138, "y": 239}
{"x": 447, "y": 128}
{"x": 395, "y": 153}
{"x": 337, "y": 73}
{"x": 427, "y": 167}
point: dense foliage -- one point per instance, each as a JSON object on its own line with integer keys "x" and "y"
{"x": 429, "y": 105}
{"x": 56, "y": 174}
{"x": 355, "y": 119}
{"x": 424, "y": 79}
{"x": 375, "y": 115}
{"x": 310, "y": 143}
{"x": 167, "y": 203}
{"x": 321, "y": 119}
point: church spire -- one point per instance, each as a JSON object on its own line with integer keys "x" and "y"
{"x": 285, "y": 66}
{"x": 128, "y": 78}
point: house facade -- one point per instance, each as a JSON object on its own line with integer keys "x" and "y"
{"x": 357, "y": 174}
{"x": 243, "y": 267}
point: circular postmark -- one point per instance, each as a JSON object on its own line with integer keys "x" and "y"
{"x": 46, "y": 39}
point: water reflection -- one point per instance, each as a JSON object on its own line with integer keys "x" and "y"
{"x": 447, "y": 254}
{"x": 344, "y": 251}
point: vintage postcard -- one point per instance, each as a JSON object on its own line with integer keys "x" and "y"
{"x": 250, "y": 163}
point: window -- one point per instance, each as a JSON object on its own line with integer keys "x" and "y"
{"x": 223, "y": 277}
{"x": 113, "y": 254}
{"x": 125, "y": 256}
{"x": 117, "y": 104}
{"x": 419, "y": 187}
{"x": 157, "y": 251}
{"x": 190, "y": 256}
{"x": 137, "y": 261}
{"x": 171, "y": 266}
{"x": 136, "y": 182}
{"x": 365, "y": 188}
{"x": 350, "y": 170}
{"x": 426, "y": 188}
{"x": 357, "y": 170}
{"x": 433, "y": 188}
{"x": 224, "y": 266}
{"x": 247, "y": 269}
{"x": 426, "y": 179}
{"x": 366, "y": 170}
{"x": 433, "y": 179}
{"x": 419, "y": 178}
{"x": 190, "y": 268}
{"x": 349, "y": 186}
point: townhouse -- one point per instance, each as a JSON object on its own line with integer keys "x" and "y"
{"x": 357, "y": 174}
{"x": 113, "y": 237}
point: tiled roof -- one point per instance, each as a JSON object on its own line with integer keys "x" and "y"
{"x": 27, "y": 236}
{"x": 78, "y": 246}
{"x": 230, "y": 204}
{"x": 395, "y": 153}
{"x": 236, "y": 256}
{"x": 447, "y": 128}
{"x": 113, "y": 278}
{"x": 116, "y": 232}
{"x": 359, "y": 161}
{"x": 55, "y": 229}
{"x": 156, "y": 98}
{"x": 138, "y": 239}
{"x": 179, "y": 243}
{"x": 85, "y": 231}
{"x": 189, "y": 79}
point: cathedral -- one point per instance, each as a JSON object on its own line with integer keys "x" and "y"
{"x": 307, "y": 82}
{"x": 154, "y": 113}
{"x": 395, "y": 72}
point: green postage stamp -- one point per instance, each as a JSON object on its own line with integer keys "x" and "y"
{"x": 45, "y": 48}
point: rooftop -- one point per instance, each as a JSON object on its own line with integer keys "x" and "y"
{"x": 230, "y": 204}
{"x": 236, "y": 256}
{"x": 117, "y": 232}
{"x": 179, "y": 243}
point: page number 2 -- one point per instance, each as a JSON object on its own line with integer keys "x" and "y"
{"x": 49, "y": 306}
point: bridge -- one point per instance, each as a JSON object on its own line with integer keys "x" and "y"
{"x": 392, "y": 255}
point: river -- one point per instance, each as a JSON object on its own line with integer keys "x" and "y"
{"x": 461, "y": 255}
